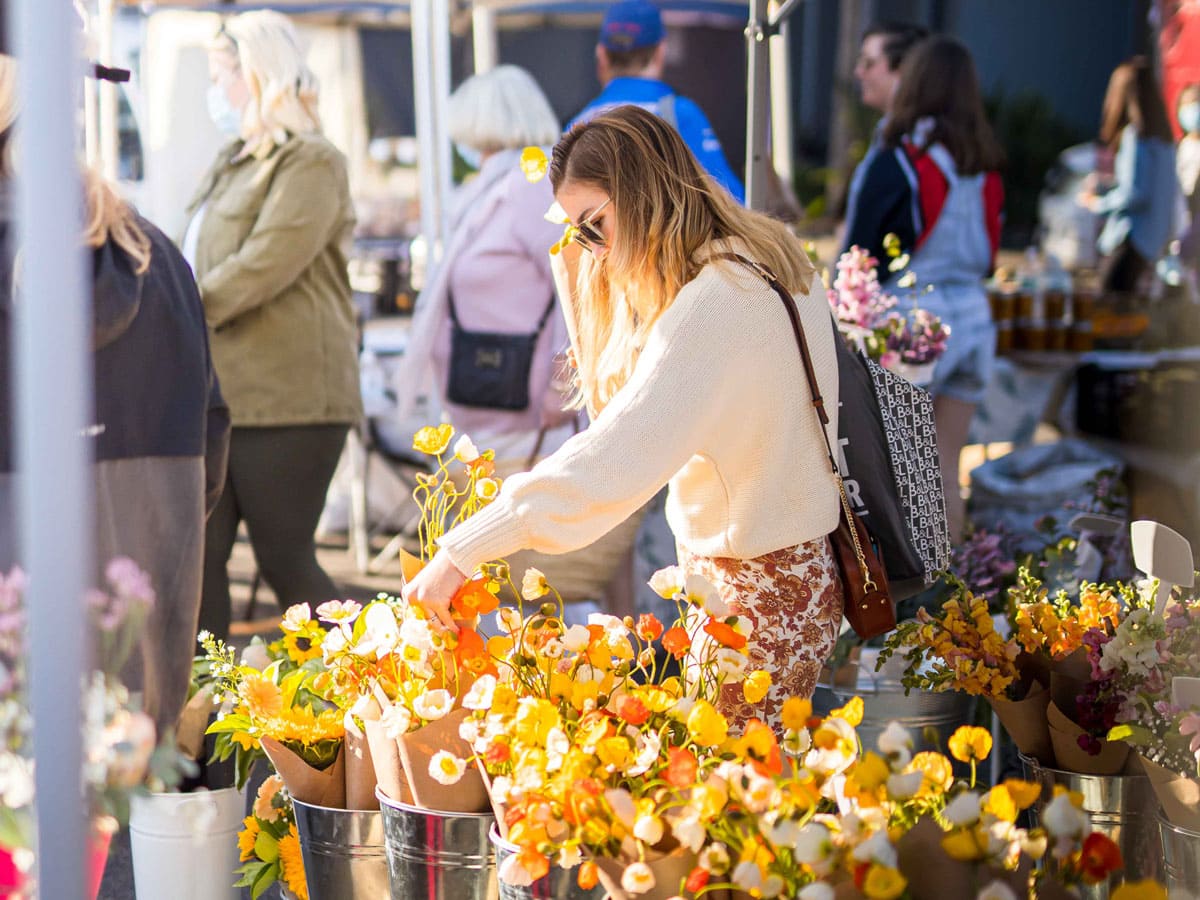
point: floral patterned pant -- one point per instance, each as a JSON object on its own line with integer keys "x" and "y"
{"x": 794, "y": 599}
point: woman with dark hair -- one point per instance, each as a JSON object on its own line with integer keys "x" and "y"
{"x": 1141, "y": 199}
{"x": 686, "y": 361}
{"x": 936, "y": 186}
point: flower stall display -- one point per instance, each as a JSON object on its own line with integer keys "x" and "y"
{"x": 122, "y": 753}
{"x": 907, "y": 341}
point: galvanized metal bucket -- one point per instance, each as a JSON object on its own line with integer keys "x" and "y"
{"x": 884, "y": 701}
{"x": 1181, "y": 860}
{"x": 558, "y": 884}
{"x": 1122, "y": 807}
{"x": 343, "y": 850}
{"x": 434, "y": 855}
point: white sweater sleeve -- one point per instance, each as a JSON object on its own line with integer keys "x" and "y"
{"x": 649, "y": 430}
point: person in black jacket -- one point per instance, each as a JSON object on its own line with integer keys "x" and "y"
{"x": 160, "y": 429}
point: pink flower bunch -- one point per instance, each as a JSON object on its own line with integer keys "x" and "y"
{"x": 856, "y": 295}
{"x": 915, "y": 339}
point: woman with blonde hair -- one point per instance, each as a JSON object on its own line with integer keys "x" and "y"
{"x": 159, "y": 428}
{"x": 267, "y": 238}
{"x": 687, "y": 362}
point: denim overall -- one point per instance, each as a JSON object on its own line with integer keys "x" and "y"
{"x": 954, "y": 259}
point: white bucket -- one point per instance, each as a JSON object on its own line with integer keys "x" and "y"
{"x": 185, "y": 845}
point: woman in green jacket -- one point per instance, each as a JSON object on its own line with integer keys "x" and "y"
{"x": 267, "y": 238}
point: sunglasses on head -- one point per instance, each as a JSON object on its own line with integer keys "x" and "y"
{"x": 587, "y": 234}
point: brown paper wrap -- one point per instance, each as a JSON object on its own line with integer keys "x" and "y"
{"x": 417, "y": 748}
{"x": 193, "y": 721}
{"x": 934, "y": 875}
{"x": 316, "y": 787}
{"x": 1178, "y": 795}
{"x": 499, "y": 810}
{"x": 1025, "y": 721}
{"x": 1070, "y": 757}
{"x": 389, "y": 770}
{"x": 360, "y": 772}
{"x": 1068, "y": 677}
{"x": 670, "y": 869}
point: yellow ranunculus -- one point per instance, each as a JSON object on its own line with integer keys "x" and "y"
{"x": 871, "y": 772}
{"x": 884, "y": 883}
{"x": 615, "y": 752}
{"x": 970, "y": 743}
{"x": 962, "y": 845}
{"x": 1023, "y": 793}
{"x": 756, "y": 685}
{"x": 796, "y": 713}
{"x": 433, "y": 440}
{"x": 852, "y": 712}
{"x": 1149, "y": 889}
{"x": 707, "y": 727}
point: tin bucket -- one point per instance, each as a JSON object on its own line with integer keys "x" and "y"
{"x": 1181, "y": 860}
{"x": 1121, "y": 807}
{"x": 884, "y": 701}
{"x": 434, "y": 855}
{"x": 557, "y": 884}
{"x": 343, "y": 850}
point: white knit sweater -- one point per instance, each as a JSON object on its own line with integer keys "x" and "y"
{"x": 718, "y": 407}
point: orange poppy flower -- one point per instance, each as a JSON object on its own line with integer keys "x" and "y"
{"x": 648, "y": 627}
{"x": 589, "y": 875}
{"x": 1098, "y": 858}
{"x": 632, "y": 710}
{"x": 725, "y": 635}
{"x": 474, "y": 598}
{"x": 676, "y": 641}
{"x": 681, "y": 767}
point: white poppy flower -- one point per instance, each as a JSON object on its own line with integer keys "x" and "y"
{"x": 433, "y": 705}
{"x": 895, "y": 738}
{"x": 902, "y": 787}
{"x": 690, "y": 832}
{"x": 996, "y": 890}
{"x": 963, "y": 809}
{"x": 818, "y": 890}
{"x": 446, "y": 768}
{"x": 576, "y": 638}
{"x": 465, "y": 450}
{"x": 648, "y": 829}
{"x": 637, "y": 878}
{"x": 667, "y": 582}
{"x": 396, "y": 720}
{"x": 534, "y": 585}
{"x": 481, "y": 693}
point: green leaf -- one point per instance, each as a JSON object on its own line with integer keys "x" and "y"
{"x": 267, "y": 877}
{"x": 251, "y": 872}
{"x": 229, "y": 724}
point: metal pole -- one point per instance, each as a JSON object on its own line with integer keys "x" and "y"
{"x": 440, "y": 29}
{"x": 781, "y": 92}
{"x": 757, "y": 106}
{"x": 109, "y": 143}
{"x": 53, "y": 379}
{"x": 484, "y": 39}
{"x": 427, "y": 154}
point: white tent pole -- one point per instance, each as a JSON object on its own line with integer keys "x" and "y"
{"x": 427, "y": 153}
{"x": 109, "y": 144}
{"x": 53, "y": 378}
{"x": 757, "y": 106}
{"x": 484, "y": 39}
{"x": 440, "y": 25}
{"x": 781, "y": 99}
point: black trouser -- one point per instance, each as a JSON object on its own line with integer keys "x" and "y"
{"x": 276, "y": 482}
{"x": 1122, "y": 270}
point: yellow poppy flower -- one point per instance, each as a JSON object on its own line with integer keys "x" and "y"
{"x": 707, "y": 727}
{"x": 796, "y": 713}
{"x": 1023, "y": 793}
{"x": 870, "y": 774}
{"x": 756, "y": 685}
{"x": 433, "y": 440}
{"x": 1149, "y": 889}
{"x": 963, "y": 845}
{"x": 999, "y": 802}
{"x": 970, "y": 744}
{"x": 939, "y": 774}
{"x": 852, "y": 712}
{"x": 884, "y": 883}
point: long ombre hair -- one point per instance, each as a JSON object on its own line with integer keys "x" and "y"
{"x": 283, "y": 89}
{"x": 1133, "y": 98}
{"x": 108, "y": 217}
{"x": 668, "y": 212}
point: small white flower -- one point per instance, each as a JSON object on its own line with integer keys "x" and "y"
{"x": 534, "y": 585}
{"x": 569, "y": 856}
{"x": 433, "y": 705}
{"x": 623, "y": 807}
{"x": 667, "y": 582}
{"x": 468, "y": 730}
{"x": 576, "y": 638}
{"x": 715, "y": 859}
{"x": 783, "y": 833}
{"x": 731, "y": 663}
{"x": 338, "y": 612}
{"x": 690, "y": 832}
{"x": 1063, "y": 819}
{"x": 997, "y": 890}
{"x": 902, "y": 787}
{"x": 486, "y": 489}
{"x": 963, "y": 809}
{"x": 508, "y": 620}
{"x": 814, "y": 847}
{"x": 512, "y": 872}
{"x": 296, "y": 617}
{"x": 613, "y": 627}
{"x": 648, "y": 829}
{"x": 698, "y": 591}
{"x": 637, "y": 878}
{"x": 818, "y": 890}
{"x": 481, "y": 693}
{"x": 553, "y": 649}
{"x": 877, "y": 849}
{"x": 396, "y": 720}
{"x": 748, "y": 876}
{"x": 894, "y": 739}
{"x": 446, "y": 768}
{"x": 465, "y": 450}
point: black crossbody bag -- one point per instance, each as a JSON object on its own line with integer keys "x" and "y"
{"x": 488, "y": 370}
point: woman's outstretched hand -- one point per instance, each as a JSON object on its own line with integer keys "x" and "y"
{"x": 433, "y": 588}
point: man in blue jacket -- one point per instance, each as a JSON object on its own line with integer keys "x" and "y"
{"x": 629, "y": 62}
